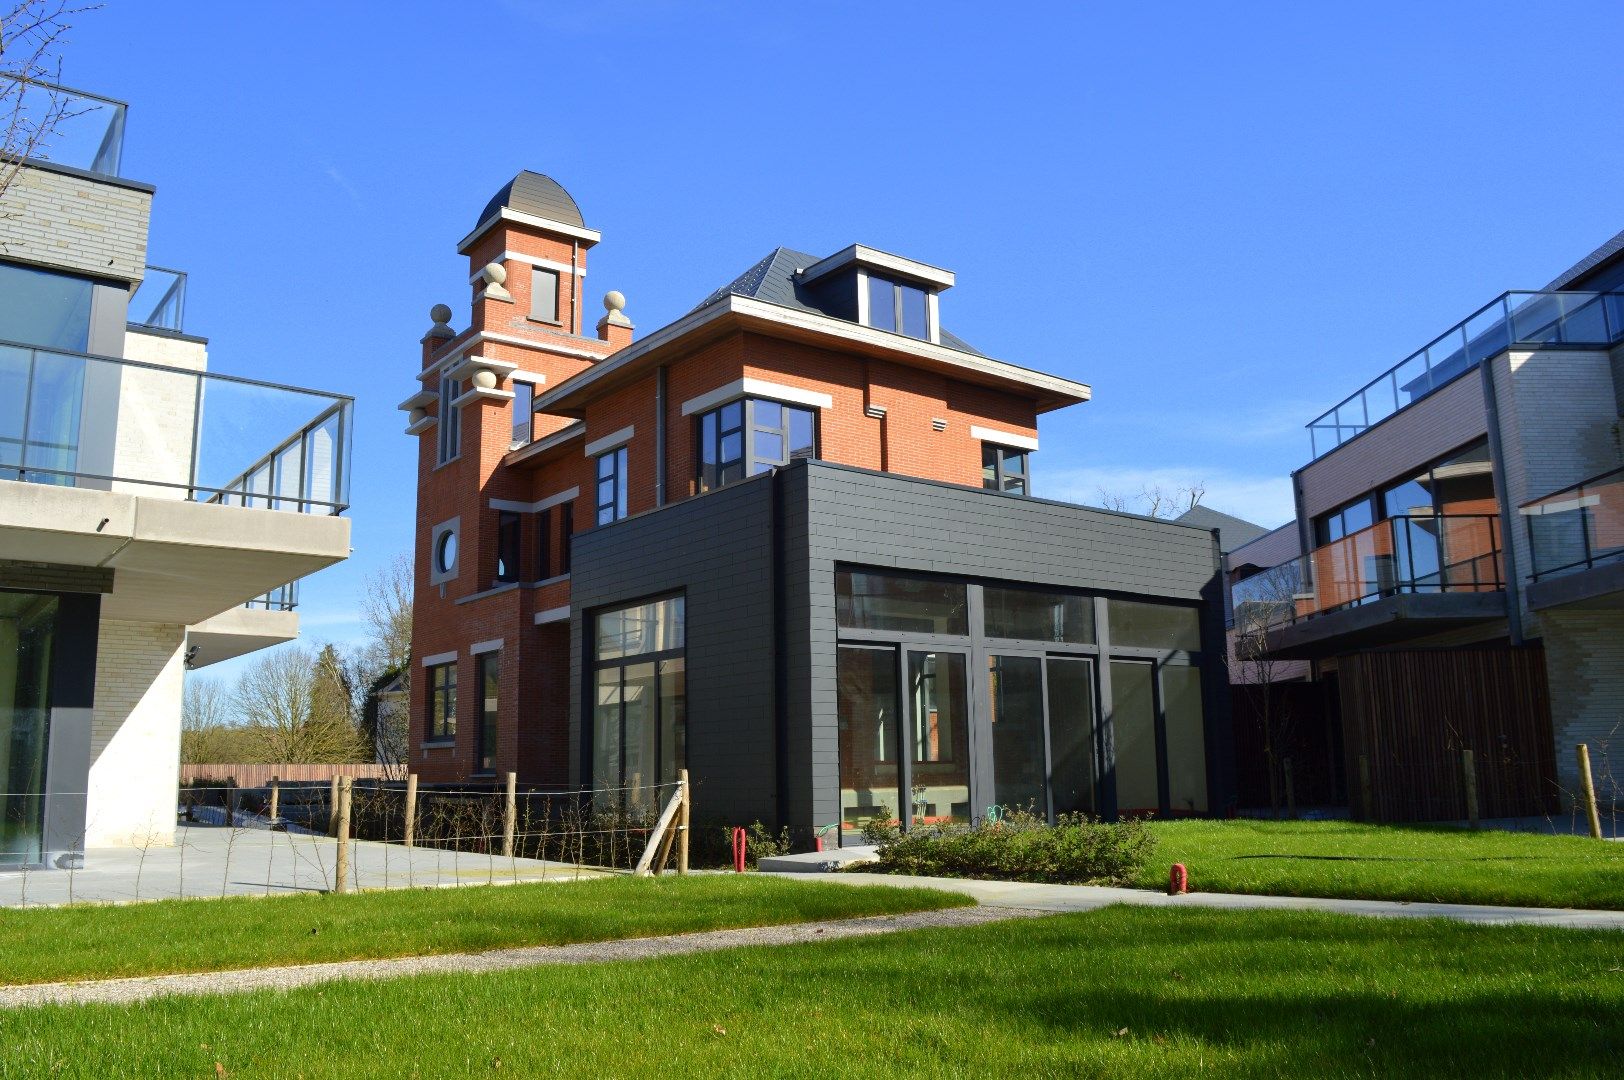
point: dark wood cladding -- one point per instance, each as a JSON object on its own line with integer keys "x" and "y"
{"x": 1431, "y": 428}
{"x": 1412, "y": 712}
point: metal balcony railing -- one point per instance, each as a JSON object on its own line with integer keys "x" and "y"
{"x": 160, "y": 300}
{"x": 63, "y": 126}
{"x": 1422, "y": 553}
{"x": 1577, "y": 527}
{"x": 121, "y": 425}
{"x": 282, "y": 598}
{"x": 1512, "y": 318}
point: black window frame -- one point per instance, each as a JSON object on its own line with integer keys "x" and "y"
{"x": 897, "y": 319}
{"x": 617, "y": 507}
{"x": 440, "y": 721}
{"x": 544, "y": 544}
{"x": 566, "y": 529}
{"x": 655, "y": 657}
{"x": 449, "y": 442}
{"x": 710, "y": 434}
{"x": 993, "y": 457}
{"x": 524, "y": 415}
{"x": 509, "y": 546}
{"x": 489, "y": 709}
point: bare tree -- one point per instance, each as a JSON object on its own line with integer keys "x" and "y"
{"x": 1263, "y": 602}
{"x": 205, "y": 722}
{"x": 383, "y": 668}
{"x": 32, "y": 33}
{"x": 1155, "y": 500}
{"x": 298, "y": 709}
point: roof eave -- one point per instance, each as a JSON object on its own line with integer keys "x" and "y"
{"x": 586, "y": 237}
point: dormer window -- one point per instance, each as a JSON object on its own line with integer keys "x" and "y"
{"x": 898, "y": 307}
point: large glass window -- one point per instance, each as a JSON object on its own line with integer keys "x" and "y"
{"x": 1015, "y": 710}
{"x": 507, "y": 545}
{"x": 1034, "y": 615}
{"x": 750, "y": 436}
{"x": 869, "y": 601}
{"x": 639, "y": 722}
{"x": 41, "y": 403}
{"x": 612, "y": 486}
{"x": 442, "y": 686}
{"x": 490, "y": 678}
{"x": 1137, "y": 624}
{"x": 1003, "y": 468}
{"x": 1072, "y": 734}
{"x": 939, "y": 704}
{"x": 27, "y": 635}
{"x": 1133, "y": 727}
{"x": 1338, "y": 523}
{"x": 898, "y": 307}
{"x": 870, "y": 737}
{"x": 1186, "y": 739}
{"x": 44, "y": 308}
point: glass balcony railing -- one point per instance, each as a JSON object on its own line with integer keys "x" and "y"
{"x": 284, "y": 598}
{"x": 120, "y": 425}
{"x": 66, "y": 127}
{"x": 1431, "y": 553}
{"x": 1513, "y": 318}
{"x": 160, "y": 300}
{"x": 1577, "y": 527}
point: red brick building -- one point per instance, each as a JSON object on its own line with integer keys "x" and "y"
{"x": 787, "y": 541}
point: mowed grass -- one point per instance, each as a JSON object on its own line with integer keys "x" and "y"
{"x": 1390, "y": 862}
{"x": 58, "y": 944}
{"x": 1117, "y": 992}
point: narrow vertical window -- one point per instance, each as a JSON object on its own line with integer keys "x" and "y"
{"x": 524, "y": 411}
{"x": 566, "y": 529}
{"x": 490, "y": 677}
{"x": 544, "y": 545}
{"x": 507, "y": 546}
{"x": 612, "y": 486}
{"x": 544, "y": 294}
{"x": 450, "y": 420}
{"x": 442, "y": 718}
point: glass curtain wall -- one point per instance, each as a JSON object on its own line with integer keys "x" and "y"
{"x": 27, "y": 634}
{"x": 999, "y": 706}
{"x": 639, "y": 729}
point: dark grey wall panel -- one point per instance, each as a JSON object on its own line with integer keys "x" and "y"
{"x": 717, "y": 549}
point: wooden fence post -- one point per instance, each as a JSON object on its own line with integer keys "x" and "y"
{"x": 1365, "y": 794}
{"x": 341, "y": 830}
{"x": 276, "y": 798}
{"x": 1469, "y": 780}
{"x": 683, "y": 816}
{"x": 510, "y": 814}
{"x": 1587, "y": 790}
{"x": 411, "y": 808}
{"x": 332, "y": 806}
{"x": 1291, "y": 790}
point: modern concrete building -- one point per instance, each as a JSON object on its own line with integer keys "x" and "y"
{"x": 153, "y": 515}
{"x": 1453, "y": 578}
{"x": 790, "y": 542}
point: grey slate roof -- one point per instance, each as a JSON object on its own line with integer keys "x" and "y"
{"x": 1233, "y": 532}
{"x": 1589, "y": 262}
{"x": 772, "y": 280}
{"x": 537, "y": 195}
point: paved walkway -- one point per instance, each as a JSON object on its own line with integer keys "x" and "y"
{"x": 209, "y": 860}
{"x": 124, "y": 991}
{"x": 1052, "y": 898}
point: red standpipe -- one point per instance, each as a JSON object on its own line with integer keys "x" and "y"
{"x": 738, "y": 850}
{"x": 1178, "y": 880}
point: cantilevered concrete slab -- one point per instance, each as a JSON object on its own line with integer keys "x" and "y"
{"x": 238, "y": 631}
{"x": 173, "y": 560}
{"x": 1387, "y": 621}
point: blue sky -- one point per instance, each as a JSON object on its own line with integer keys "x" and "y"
{"x": 1223, "y": 217}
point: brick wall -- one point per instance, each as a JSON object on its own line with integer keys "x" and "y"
{"x": 135, "y": 732}
{"x": 1584, "y": 656}
{"x": 76, "y": 223}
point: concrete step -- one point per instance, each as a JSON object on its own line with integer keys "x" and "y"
{"x": 816, "y": 862}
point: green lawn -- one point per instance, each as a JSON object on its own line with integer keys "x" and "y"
{"x": 1118, "y": 992}
{"x": 1389, "y": 862}
{"x": 55, "y": 944}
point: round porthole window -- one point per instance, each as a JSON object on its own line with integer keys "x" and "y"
{"x": 445, "y": 552}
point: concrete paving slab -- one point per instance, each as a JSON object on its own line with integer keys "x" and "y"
{"x": 1030, "y": 895}
{"x": 212, "y": 861}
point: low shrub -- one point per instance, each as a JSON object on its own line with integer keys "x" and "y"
{"x": 1022, "y": 847}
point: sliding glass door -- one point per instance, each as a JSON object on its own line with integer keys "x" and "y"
{"x": 938, "y": 702}
{"x": 870, "y": 737}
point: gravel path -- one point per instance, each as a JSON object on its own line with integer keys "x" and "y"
{"x": 124, "y": 991}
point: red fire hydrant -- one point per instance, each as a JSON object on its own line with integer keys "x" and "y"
{"x": 1178, "y": 880}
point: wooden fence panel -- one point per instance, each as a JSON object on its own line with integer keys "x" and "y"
{"x": 1411, "y": 712}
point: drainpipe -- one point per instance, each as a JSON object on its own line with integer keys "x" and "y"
{"x": 659, "y": 436}
{"x": 1508, "y": 549}
{"x": 575, "y": 288}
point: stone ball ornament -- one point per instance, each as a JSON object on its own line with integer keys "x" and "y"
{"x": 614, "y": 300}
{"x": 440, "y": 313}
{"x": 485, "y": 379}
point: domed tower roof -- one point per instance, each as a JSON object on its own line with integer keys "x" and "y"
{"x": 537, "y": 195}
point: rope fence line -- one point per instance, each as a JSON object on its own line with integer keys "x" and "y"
{"x": 350, "y": 833}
